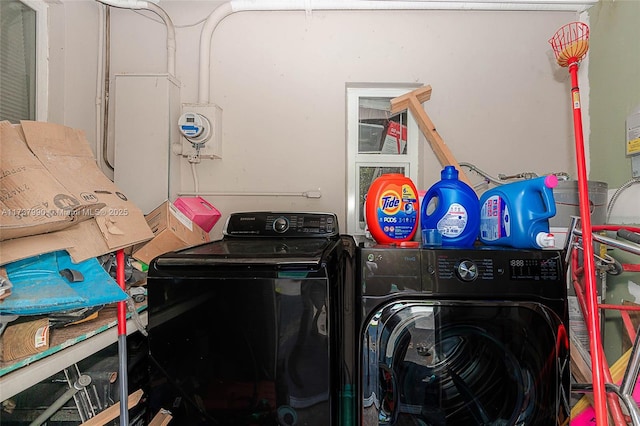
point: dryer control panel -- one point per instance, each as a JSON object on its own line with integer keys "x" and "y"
{"x": 477, "y": 273}
{"x": 494, "y": 271}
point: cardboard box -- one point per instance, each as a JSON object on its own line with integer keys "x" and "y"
{"x": 199, "y": 210}
{"x": 25, "y": 338}
{"x": 104, "y": 220}
{"x": 32, "y": 200}
{"x": 172, "y": 231}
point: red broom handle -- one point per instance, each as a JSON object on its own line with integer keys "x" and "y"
{"x": 593, "y": 317}
{"x": 122, "y": 307}
{"x": 122, "y": 342}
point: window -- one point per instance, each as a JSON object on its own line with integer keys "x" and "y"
{"x": 378, "y": 142}
{"x": 23, "y": 61}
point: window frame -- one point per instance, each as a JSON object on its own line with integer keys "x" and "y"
{"x": 39, "y": 95}
{"x": 42, "y": 57}
{"x": 356, "y": 161}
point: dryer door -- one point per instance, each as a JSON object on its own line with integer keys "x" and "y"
{"x": 457, "y": 363}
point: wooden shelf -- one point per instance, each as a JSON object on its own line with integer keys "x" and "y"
{"x": 67, "y": 346}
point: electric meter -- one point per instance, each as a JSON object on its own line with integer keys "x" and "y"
{"x": 194, "y": 127}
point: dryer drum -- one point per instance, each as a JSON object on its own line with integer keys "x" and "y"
{"x": 455, "y": 373}
{"x": 466, "y": 382}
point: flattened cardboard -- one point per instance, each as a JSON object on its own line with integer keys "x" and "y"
{"x": 82, "y": 242}
{"x": 172, "y": 231}
{"x": 64, "y": 153}
{"x": 83, "y": 248}
{"x": 32, "y": 200}
{"x": 22, "y": 248}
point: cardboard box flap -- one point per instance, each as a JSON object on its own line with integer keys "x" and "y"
{"x": 66, "y": 154}
{"x": 32, "y": 200}
{"x": 73, "y": 216}
{"x": 22, "y": 248}
{"x": 82, "y": 242}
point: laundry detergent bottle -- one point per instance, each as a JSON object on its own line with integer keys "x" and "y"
{"x": 517, "y": 214}
{"x": 391, "y": 208}
{"x": 452, "y": 207}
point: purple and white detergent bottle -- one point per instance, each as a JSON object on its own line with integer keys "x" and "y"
{"x": 517, "y": 214}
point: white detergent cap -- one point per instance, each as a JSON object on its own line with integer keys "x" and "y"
{"x": 545, "y": 240}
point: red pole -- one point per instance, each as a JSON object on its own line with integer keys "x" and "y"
{"x": 615, "y": 228}
{"x": 122, "y": 307}
{"x": 593, "y": 317}
{"x": 122, "y": 342}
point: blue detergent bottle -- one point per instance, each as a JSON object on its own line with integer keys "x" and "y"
{"x": 452, "y": 207}
{"x": 517, "y": 214}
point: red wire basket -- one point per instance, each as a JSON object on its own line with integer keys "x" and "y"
{"x": 570, "y": 43}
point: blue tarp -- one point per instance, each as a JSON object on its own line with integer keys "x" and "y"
{"x": 38, "y": 287}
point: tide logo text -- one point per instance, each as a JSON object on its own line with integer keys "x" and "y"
{"x": 390, "y": 203}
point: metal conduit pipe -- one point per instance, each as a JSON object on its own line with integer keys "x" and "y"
{"x": 171, "y": 30}
{"x": 106, "y": 88}
{"x": 619, "y": 191}
{"x": 171, "y": 36}
{"x": 82, "y": 382}
{"x": 171, "y": 63}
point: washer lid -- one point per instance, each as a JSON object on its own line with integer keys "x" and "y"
{"x": 252, "y": 251}
{"x": 265, "y": 238}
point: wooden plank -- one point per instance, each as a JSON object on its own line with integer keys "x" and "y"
{"x": 413, "y": 102}
{"x": 617, "y": 371}
{"x": 582, "y": 373}
{"x": 579, "y": 368}
{"x": 113, "y": 412}
{"x": 439, "y": 147}
{"x": 161, "y": 419}
{"x": 401, "y": 103}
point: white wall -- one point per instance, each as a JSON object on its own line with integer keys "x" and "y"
{"x": 498, "y": 100}
{"x": 73, "y": 64}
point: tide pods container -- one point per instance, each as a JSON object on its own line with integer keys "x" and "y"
{"x": 391, "y": 208}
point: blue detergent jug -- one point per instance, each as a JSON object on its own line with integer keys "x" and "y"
{"x": 517, "y": 214}
{"x": 452, "y": 207}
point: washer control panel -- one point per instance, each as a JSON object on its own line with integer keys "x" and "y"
{"x": 282, "y": 224}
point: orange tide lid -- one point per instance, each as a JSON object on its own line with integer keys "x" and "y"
{"x": 409, "y": 244}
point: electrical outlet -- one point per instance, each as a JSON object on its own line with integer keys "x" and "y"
{"x": 212, "y": 148}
